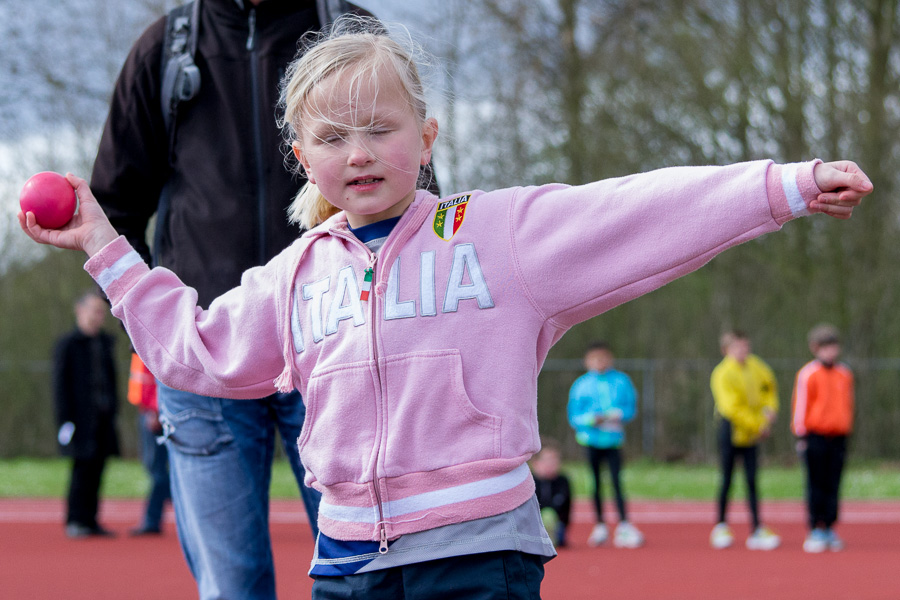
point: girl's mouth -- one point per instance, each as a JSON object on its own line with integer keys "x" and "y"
{"x": 365, "y": 181}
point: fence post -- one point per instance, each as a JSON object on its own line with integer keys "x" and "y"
{"x": 648, "y": 405}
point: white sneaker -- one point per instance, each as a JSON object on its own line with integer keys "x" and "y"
{"x": 628, "y": 536}
{"x": 763, "y": 539}
{"x": 721, "y": 536}
{"x": 816, "y": 541}
{"x": 835, "y": 544}
{"x": 599, "y": 535}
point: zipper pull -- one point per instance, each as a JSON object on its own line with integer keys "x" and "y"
{"x": 367, "y": 279}
{"x": 383, "y": 548}
{"x": 366, "y": 285}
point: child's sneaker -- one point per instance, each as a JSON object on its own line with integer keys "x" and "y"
{"x": 721, "y": 536}
{"x": 628, "y": 536}
{"x": 599, "y": 535}
{"x": 835, "y": 544}
{"x": 763, "y": 539}
{"x": 816, "y": 541}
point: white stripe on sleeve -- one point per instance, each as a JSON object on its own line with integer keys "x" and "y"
{"x": 792, "y": 190}
{"x": 113, "y": 272}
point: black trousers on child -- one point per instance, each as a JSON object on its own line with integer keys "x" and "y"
{"x": 825, "y": 457}
{"x": 729, "y": 453}
{"x": 506, "y": 575}
{"x": 613, "y": 458}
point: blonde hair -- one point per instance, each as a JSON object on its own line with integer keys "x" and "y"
{"x": 358, "y": 47}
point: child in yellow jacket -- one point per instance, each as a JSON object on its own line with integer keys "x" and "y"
{"x": 746, "y": 397}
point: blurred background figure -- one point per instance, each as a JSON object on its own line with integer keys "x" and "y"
{"x": 600, "y": 403}
{"x": 154, "y": 456}
{"x": 84, "y": 386}
{"x": 553, "y": 491}
{"x": 746, "y": 398}
{"x": 822, "y": 419}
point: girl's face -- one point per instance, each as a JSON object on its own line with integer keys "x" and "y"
{"x": 363, "y": 146}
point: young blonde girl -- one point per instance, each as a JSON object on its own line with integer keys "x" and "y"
{"x": 416, "y": 326}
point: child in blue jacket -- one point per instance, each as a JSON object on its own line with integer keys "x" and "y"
{"x": 600, "y": 403}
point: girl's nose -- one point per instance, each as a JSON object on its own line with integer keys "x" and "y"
{"x": 359, "y": 154}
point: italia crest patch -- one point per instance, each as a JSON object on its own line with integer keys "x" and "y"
{"x": 449, "y": 216}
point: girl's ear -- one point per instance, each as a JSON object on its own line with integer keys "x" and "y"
{"x": 429, "y": 135}
{"x": 301, "y": 158}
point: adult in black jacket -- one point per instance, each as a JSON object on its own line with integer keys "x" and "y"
{"x": 84, "y": 394}
{"x": 220, "y": 170}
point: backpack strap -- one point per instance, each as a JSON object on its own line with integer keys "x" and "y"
{"x": 180, "y": 81}
{"x": 179, "y": 74}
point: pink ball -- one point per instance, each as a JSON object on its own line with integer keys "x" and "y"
{"x": 50, "y": 197}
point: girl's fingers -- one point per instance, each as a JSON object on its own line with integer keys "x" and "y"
{"x": 843, "y": 186}
{"x": 80, "y": 185}
{"x": 840, "y": 198}
{"x": 842, "y": 175}
{"x": 28, "y": 223}
{"x": 839, "y": 211}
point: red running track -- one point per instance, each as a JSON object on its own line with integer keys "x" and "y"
{"x": 38, "y": 562}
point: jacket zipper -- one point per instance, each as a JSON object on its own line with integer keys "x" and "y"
{"x": 257, "y": 136}
{"x": 383, "y": 546}
{"x": 398, "y": 240}
{"x": 370, "y": 266}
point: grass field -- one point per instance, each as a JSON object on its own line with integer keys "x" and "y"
{"x": 48, "y": 478}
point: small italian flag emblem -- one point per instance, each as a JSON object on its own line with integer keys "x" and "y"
{"x": 449, "y": 216}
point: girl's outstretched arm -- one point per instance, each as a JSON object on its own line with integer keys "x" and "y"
{"x": 843, "y": 186}
{"x": 89, "y": 229}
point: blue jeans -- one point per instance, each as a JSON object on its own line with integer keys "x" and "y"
{"x": 220, "y": 455}
{"x": 156, "y": 461}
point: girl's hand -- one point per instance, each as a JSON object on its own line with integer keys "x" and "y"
{"x": 89, "y": 229}
{"x": 843, "y": 186}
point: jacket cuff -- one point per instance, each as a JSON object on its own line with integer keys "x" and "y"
{"x": 791, "y": 188}
{"x": 116, "y": 268}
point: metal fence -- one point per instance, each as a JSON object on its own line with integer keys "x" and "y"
{"x": 675, "y": 419}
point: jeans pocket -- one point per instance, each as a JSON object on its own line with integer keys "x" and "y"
{"x": 192, "y": 424}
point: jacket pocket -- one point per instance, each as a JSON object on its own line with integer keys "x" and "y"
{"x": 193, "y": 424}
{"x": 431, "y": 422}
{"x": 338, "y": 437}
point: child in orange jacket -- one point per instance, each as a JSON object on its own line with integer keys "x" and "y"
{"x": 822, "y": 420}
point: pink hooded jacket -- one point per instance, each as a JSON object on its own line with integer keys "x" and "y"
{"x": 421, "y": 399}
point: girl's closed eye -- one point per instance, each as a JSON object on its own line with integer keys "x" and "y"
{"x": 379, "y": 128}
{"x": 331, "y": 137}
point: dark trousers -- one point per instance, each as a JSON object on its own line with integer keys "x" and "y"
{"x": 507, "y": 575}
{"x": 825, "y": 457}
{"x": 84, "y": 490}
{"x": 556, "y": 495}
{"x": 155, "y": 457}
{"x": 613, "y": 458}
{"x": 728, "y": 453}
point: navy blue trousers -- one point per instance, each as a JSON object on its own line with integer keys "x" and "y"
{"x": 507, "y": 575}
